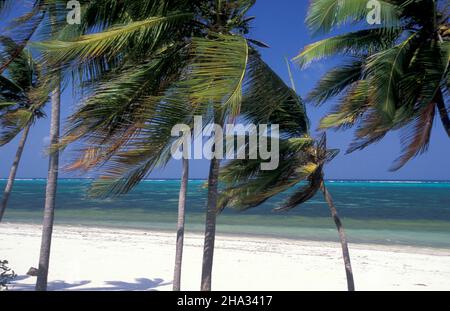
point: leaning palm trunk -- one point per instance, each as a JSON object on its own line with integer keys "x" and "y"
{"x": 210, "y": 228}
{"x": 50, "y": 194}
{"x": 13, "y": 172}
{"x": 342, "y": 237}
{"x": 180, "y": 226}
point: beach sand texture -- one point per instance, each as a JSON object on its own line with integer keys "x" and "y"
{"x": 85, "y": 258}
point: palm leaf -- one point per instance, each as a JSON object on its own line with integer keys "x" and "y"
{"x": 12, "y": 123}
{"x": 357, "y": 43}
{"x": 350, "y": 109}
{"x": 23, "y": 32}
{"x": 335, "y": 82}
{"x": 109, "y": 42}
{"x": 416, "y": 136}
{"x": 325, "y": 15}
{"x": 385, "y": 69}
{"x": 281, "y": 104}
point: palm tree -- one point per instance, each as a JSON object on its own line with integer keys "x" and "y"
{"x": 147, "y": 67}
{"x": 301, "y": 158}
{"x": 26, "y": 26}
{"x": 395, "y": 75}
{"x": 52, "y": 178}
{"x": 180, "y": 226}
{"x": 19, "y": 107}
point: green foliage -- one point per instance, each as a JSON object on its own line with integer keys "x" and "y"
{"x": 19, "y": 104}
{"x": 111, "y": 41}
{"x": 301, "y": 159}
{"x": 325, "y": 15}
{"x": 396, "y": 76}
{"x": 145, "y": 68}
{"x": 6, "y": 275}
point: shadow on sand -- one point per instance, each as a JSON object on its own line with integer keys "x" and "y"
{"x": 140, "y": 284}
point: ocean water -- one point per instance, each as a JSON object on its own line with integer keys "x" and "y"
{"x": 403, "y": 213}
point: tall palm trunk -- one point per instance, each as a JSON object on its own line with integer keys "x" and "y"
{"x": 342, "y": 237}
{"x": 50, "y": 194}
{"x": 13, "y": 171}
{"x": 180, "y": 225}
{"x": 210, "y": 228}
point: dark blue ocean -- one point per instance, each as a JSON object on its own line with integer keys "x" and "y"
{"x": 405, "y": 213}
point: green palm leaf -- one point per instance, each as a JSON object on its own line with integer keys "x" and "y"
{"x": 357, "y": 43}
{"x": 12, "y": 123}
{"x": 385, "y": 70}
{"x": 281, "y": 104}
{"x": 335, "y": 82}
{"x": 112, "y": 41}
{"x": 350, "y": 109}
{"x": 324, "y": 15}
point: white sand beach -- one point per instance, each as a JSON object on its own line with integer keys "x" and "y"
{"x": 115, "y": 259}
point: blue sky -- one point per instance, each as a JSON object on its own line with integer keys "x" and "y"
{"x": 281, "y": 25}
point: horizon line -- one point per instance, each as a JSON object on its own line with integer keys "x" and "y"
{"x": 204, "y": 179}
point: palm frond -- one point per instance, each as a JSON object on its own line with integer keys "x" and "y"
{"x": 10, "y": 90}
{"x": 304, "y": 193}
{"x": 335, "y": 82}
{"x": 416, "y": 137}
{"x": 385, "y": 70}
{"x": 372, "y": 128}
{"x": 23, "y": 32}
{"x": 325, "y": 15}
{"x": 23, "y": 69}
{"x": 423, "y": 86}
{"x": 268, "y": 100}
{"x": 248, "y": 186}
{"x": 350, "y": 108}
{"x": 359, "y": 43}
{"x": 113, "y": 102}
{"x": 110, "y": 42}
{"x": 216, "y": 74}
{"x": 12, "y": 123}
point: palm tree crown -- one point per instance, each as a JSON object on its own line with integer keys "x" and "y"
{"x": 19, "y": 103}
{"x": 151, "y": 66}
{"x": 395, "y": 75}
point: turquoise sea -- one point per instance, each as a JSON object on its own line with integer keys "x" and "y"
{"x": 405, "y": 213}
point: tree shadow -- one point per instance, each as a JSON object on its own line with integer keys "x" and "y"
{"x": 140, "y": 284}
{"x": 52, "y": 286}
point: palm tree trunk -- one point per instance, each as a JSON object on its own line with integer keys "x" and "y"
{"x": 342, "y": 237}
{"x": 443, "y": 112}
{"x": 50, "y": 194}
{"x": 180, "y": 226}
{"x": 13, "y": 171}
{"x": 210, "y": 228}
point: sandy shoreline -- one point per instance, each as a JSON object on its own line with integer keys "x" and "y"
{"x": 87, "y": 258}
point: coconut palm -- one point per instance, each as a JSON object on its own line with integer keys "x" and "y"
{"x": 24, "y": 28}
{"x": 135, "y": 82}
{"x": 19, "y": 106}
{"x": 394, "y": 75}
{"x": 44, "y": 17}
{"x": 47, "y": 18}
{"x": 147, "y": 67}
{"x": 301, "y": 159}
{"x": 53, "y": 167}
